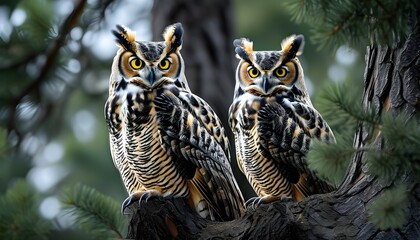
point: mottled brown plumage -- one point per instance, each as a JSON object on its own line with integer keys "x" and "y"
{"x": 274, "y": 122}
{"x": 166, "y": 141}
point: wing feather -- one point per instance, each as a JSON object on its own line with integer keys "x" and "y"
{"x": 195, "y": 141}
{"x": 285, "y": 132}
{"x": 207, "y": 117}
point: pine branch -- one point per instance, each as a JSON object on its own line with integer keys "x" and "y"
{"x": 400, "y": 152}
{"x": 393, "y": 153}
{"x": 353, "y": 22}
{"x": 19, "y": 215}
{"x": 94, "y": 212}
{"x": 330, "y": 161}
{"x": 35, "y": 85}
{"x": 341, "y": 108}
{"x": 390, "y": 209}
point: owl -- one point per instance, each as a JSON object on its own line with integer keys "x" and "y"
{"x": 274, "y": 122}
{"x": 164, "y": 140}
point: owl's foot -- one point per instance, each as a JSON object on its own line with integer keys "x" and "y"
{"x": 141, "y": 196}
{"x": 254, "y": 202}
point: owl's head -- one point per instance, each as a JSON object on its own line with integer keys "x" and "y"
{"x": 148, "y": 65}
{"x": 267, "y": 73}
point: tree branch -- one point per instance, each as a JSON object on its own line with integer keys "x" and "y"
{"x": 35, "y": 85}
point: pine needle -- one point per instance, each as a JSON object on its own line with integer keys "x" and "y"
{"x": 335, "y": 23}
{"x": 383, "y": 164}
{"x": 94, "y": 212}
{"x": 19, "y": 215}
{"x": 396, "y": 154}
{"x": 341, "y": 104}
{"x": 400, "y": 152}
{"x": 330, "y": 161}
{"x": 390, "y": 209}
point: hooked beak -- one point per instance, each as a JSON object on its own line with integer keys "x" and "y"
{"x": 152, "y": 76}
{"x": 265, "y": 84}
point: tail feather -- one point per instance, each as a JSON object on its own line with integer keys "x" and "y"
{"x": 200, "y": 197}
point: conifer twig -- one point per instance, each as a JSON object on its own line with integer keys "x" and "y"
{"x": 35, "y": 85}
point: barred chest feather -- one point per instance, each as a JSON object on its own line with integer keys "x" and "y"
{"x": 143, "y": 162}
{"x": 264, "y": 174}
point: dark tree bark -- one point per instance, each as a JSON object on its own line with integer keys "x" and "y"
{"x": 392, "y": 83}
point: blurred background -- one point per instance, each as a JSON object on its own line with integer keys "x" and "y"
{"x": 55, "y": 62}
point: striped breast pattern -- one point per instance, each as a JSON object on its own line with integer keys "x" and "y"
{"x": 265, "y": 175}
{"x": 136, "y": 146}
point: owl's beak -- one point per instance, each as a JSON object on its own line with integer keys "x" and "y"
{"x": 265, "y": 84}
{"x": 152, "y": 76}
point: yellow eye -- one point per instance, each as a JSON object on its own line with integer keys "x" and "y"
{"x": 253, "y": 72}
{"x": 164, "y": 64}
{"x": 280, "y": 72}
{"x": 136, "y": 63}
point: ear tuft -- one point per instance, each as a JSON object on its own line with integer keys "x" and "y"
{"x": 125, "y": 37}
{"x": 243, "y": 48}
{"x": 173, "y": 37}
{"x": 292, "y": 46}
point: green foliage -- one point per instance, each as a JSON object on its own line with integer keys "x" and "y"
{"x": 95, "y": 213}
{"x": 40, "y": 24}
{"x": 337, "y": 104}
{"x": 398, "y": 154}
{"x": 19, "y": 216}
{"x": 340, "y": 106}
{"x": 353, "y": 22}
{"x": 330, "y": 161}
{"x": 23, "y": 53}
{"x": 390, "y": 209}
{"x": 4, "y": 146}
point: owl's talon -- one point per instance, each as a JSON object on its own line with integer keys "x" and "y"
{"x": 127, "y": 202}
{"x": 147, "y": 195}
{"x": 254, "y": 202}
{"x": 140, "y": 197}
{"x": 144, "y": 197}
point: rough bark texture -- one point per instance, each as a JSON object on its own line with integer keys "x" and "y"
{"x": 392, "y": 83}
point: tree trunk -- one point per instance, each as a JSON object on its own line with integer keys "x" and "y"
{"x": 207, "y": 47}
{"x": 392, "y": 83}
